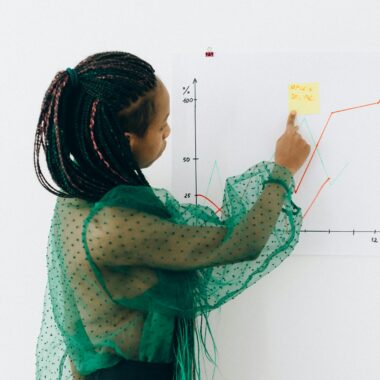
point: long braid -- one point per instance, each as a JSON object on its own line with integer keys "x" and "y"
{"x": 81, "y": 129}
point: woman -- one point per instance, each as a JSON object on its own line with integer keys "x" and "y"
{"x": 129, "y": 267}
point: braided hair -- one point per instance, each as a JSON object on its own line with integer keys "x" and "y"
{"x": 81, "y": 127}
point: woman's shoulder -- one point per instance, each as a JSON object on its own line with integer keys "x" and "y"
{"x": 73, "y": 202}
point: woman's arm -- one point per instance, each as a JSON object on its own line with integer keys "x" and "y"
{"x": 121, "y": 236}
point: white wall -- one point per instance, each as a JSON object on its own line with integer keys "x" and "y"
{"x": 314, "y": 317}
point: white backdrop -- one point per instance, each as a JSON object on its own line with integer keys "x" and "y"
{"x": 314, "y": 317}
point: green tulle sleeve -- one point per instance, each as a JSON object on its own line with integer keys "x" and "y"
{"x": 149, "y": 252}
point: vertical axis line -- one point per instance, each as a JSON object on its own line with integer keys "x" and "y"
{"x": 195, "y": 137}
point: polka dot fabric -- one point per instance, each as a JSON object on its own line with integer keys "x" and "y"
{"x": 129, "y": 275}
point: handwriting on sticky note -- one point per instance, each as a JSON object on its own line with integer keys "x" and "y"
{"x": 304, "y": 98}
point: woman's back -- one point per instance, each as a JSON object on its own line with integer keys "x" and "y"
{"x": 100, "y": 316}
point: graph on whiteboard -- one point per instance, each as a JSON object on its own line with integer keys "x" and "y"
{"x": 228, "y": 111}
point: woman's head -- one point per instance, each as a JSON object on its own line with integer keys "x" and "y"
{"x": 146, "y": 149}
{"x": 98, "y": 134}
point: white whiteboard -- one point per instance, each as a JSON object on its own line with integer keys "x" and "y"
{"x": 233, "y": 107}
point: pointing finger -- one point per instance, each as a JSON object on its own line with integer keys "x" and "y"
{"x": 290, "y": 122}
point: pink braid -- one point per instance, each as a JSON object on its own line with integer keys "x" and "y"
{"x": 92, "y": 122}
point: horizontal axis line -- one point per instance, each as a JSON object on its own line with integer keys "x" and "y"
{"x": 350, "y": 231}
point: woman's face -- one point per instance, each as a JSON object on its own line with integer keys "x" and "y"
{"x": 148, "y": 148}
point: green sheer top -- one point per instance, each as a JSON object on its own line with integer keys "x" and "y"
{"x": 129, "y": 275}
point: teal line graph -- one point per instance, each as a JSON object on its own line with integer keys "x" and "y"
{"x": 215, "y": 168}
{"x": 305, "y": 125}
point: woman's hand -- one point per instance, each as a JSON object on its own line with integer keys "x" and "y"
{"x": 291, "y": 149}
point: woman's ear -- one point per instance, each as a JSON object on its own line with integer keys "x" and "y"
{"x": 131, "y": 138}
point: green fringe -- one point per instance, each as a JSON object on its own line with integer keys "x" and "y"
{"x": 187, "y": 365}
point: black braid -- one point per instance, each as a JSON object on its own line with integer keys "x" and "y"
{"x": 114, "y": 94}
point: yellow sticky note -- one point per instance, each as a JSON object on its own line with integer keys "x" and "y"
{"x": 304, "y": 98}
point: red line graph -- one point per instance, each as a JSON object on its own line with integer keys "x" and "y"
{"x": 320, "y": 137}
{"x": 218, "y": 208}
{"x": 316, "y": 196}
{"x": 310, "y": 159}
